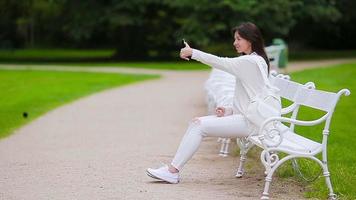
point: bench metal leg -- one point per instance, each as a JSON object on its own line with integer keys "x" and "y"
{"x": 326, "y": 174}
{"x": 265, "y": 194}
{"x": 221, "y": 140}
{"x": 271, "y": 162}
{"x": 245, "y": 146}
{"x": 224, "y": 150}
{"x": 240, "y": 170}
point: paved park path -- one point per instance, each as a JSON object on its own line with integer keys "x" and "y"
{"x": 99, "y": 146}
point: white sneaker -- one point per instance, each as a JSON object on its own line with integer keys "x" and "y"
{"x": 163, "y": 174}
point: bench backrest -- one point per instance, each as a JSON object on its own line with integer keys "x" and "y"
{"x": 307, "y": 95}
{"x": 289, "y": 90}
{"x": 318, "y": 99}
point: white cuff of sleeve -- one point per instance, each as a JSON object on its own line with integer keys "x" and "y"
{"x": 228, "y": 111}
{"x": 195, "y": 53}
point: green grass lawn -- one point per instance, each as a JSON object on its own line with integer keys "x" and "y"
{"x": 342, "y": 140}
{"x": 321, "y": 54}
{"x": 87, "y": 58}
{"x": 54, "y": 54}
{"x": 179, "y": 65}
{"x": 36, "y": 92}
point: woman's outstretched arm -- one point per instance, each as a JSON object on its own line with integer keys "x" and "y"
{"x": 229, "y": 65}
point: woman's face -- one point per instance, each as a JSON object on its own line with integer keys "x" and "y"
{"x": 241, "y": 45}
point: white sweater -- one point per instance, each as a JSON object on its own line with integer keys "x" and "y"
{"x": 249, "y": 79}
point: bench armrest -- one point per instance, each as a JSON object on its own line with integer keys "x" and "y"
{"x": 274, "y": 136}
{"x": 289, "y": 109}
{"x": 293, "y": 121}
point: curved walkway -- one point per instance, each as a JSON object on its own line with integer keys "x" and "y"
{"x": 99, "y": 147}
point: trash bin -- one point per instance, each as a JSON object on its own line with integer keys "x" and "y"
{"x": 283, "y": 57}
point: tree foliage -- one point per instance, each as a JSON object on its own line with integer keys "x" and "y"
{"x": 153, "y": 28}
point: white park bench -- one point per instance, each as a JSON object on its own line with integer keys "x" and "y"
{"x": 284, "y": 139}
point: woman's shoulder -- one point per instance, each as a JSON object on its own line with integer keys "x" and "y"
{"x": 252, "y": 58}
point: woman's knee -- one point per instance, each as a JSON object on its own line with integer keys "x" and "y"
{"x": 195, "y": 126}
{"x": 195, "y": 121}
{"x": 203, "y": 119}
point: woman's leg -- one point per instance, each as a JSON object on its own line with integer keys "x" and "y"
{"x": 229, "y": 126}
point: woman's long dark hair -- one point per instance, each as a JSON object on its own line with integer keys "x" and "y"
{"x": 251, "y": 33}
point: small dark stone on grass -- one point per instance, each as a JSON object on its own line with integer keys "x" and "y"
{"x": 25, "y": 114}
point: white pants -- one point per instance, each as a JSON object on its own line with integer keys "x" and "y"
{"x": 229, "y": 127}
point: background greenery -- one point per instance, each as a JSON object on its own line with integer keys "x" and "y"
{"x": 152, "y": 29}
{"x": 64, "y": 55}
{"x": 36, "y": 92}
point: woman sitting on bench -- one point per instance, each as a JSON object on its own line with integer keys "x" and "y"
{"x": 252, "y": 85}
